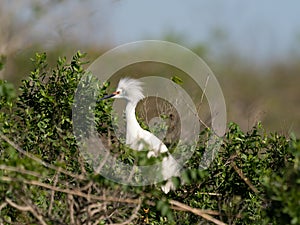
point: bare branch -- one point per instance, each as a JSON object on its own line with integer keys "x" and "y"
{"x": 206, "y": 214}
{"x": 50, "y": 166}
{"x": 76, "y": 192}
{"x": 19, "y": 170}
{"x": 71, "y": 208}
{"x": 244, "y": 178}
{"x": 27, "y": 208}
{"x": 132, "y": 217}
{"x": 210, "y": 193}
{"x": 53, "y": 192}
{"x": 18, "y": 207}
{"x": 197, "y": 212}
{"x": 203, "y": 93}
{"x": 3, "y": 205}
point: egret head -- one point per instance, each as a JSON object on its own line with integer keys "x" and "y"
{"x": 129, "y": 89}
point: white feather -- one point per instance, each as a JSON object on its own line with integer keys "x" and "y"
{"x": 138, "y": 138}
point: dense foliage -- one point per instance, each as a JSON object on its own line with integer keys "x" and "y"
{"x": 254, "y": 179}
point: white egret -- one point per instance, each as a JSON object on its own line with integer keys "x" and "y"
{"x": 136, "y": 137}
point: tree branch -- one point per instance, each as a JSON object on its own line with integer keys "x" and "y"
{"x": 196, "y": 212}
{"x": 244, "y": 178}
{"x": 50, "y": 166}
{"x": 132, "y": 217}
{"x": 26, "y": 208}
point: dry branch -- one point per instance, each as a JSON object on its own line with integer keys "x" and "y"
{"x": 132, "y": 217}
{"x": 50, "y": 166}
{"x": 75, "y": 192}
{"x": 244, "y": 178}
{"x": 175, "y": 205}
{"x": 196, "y": 212}
{"x": 27, "y": 208}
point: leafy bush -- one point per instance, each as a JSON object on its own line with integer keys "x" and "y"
{"x": 44, "y": 179}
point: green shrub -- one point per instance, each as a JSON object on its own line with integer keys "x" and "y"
{"x": 44, "y": 179}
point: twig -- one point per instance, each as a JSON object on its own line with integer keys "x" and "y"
{"x": 193, "y": 112}
{"x": 53, "y": 192}
{"x": 18, "y": 207}
{"x": 3, "y": 205}
{"x": 19, "y": 170}
{"x": 205, "y": 211}
{"x": 210, "y": 193}
{"x": 132, "y": 217}
{"x": 196, "y": 212}
{"x": 132, "y": 172}
{"x": 71, "y": 209}
{"x": 203, "y": 93}
{"x": 99, "y": 168}
{"x": 244, "y": 178}
{"x": 70, "y": 191}
{"x": 89, "y": 210}
{"x": 50, "y": 166}
{"x": 201, "y": 101}
{"x": 26, "y": 208}
{"x": 94, "y": 208}
{"x": 181, "y": 206}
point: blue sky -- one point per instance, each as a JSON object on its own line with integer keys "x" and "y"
{"x": 262, "y": 28}
{"x": 257, "y": 29}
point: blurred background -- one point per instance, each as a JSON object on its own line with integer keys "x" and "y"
{"x": 253, "y": 47}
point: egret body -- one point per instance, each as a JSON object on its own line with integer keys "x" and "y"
{"x": 136, "y": 137}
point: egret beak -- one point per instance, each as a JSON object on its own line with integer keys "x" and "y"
{"x": 109, "y": 96}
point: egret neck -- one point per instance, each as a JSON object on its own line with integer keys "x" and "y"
{"x": 132, "y": 125}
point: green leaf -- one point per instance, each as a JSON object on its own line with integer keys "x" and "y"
{"x": 177, "y": 80}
